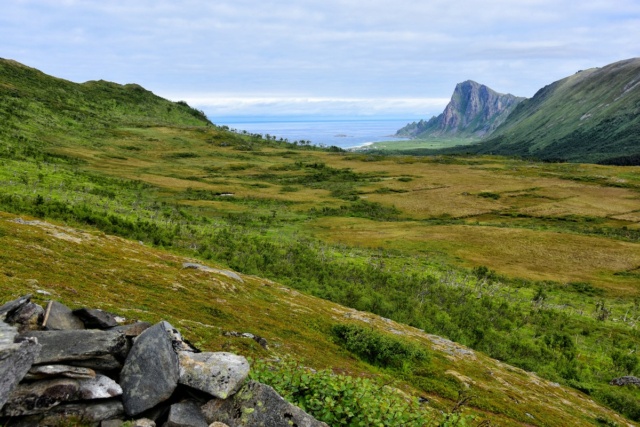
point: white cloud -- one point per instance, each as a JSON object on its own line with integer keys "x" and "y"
{"x": 225, "y": 105}
{"x": 343, "y": 50}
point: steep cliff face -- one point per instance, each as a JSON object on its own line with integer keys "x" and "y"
{"x": 474, "y": 111}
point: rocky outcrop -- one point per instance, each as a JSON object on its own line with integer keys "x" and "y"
{"x": 627, "y": 380}
{"x": 474, "y": 111}
{"x": 257, "y": 405}
{"x": 105, "y": 373}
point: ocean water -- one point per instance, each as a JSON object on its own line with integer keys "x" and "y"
{"x": 347, "y": 133}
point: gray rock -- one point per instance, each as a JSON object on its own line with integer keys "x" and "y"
{"x": 219, "y": 374}
{"x": 257, "y": 405}
{"x": 133, "y": 329}
{"x": 177, "y": 341}
{"x": 58, "y": 317}
{"x": 51, "y": 371}
{"x": 150, "y": 373}
{"x": 12, "y": 306}
{"x": 89, "y": 412}
{"x": 15, "y": 360}
{"x": 40, "y": 396}
{"x": 185, "y": 414}
{"x": 95, "y": 319}
{"x": 112, "y": 423}
{"x": 625, "y": 381}
{"x": 76, "y": 345}
{"x": 108, "y": 362}
{"x": 144, "y": 422}
{"x": 229, "y": 274}
{"x": 28, "y": 316}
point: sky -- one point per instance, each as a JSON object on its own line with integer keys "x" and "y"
{"x": 321, "y": 58}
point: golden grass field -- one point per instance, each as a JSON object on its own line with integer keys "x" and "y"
{"x": 519, "y": 231}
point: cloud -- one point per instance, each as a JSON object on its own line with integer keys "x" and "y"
{"x": 308, "y": 106}
{"x": 334, "y": 49}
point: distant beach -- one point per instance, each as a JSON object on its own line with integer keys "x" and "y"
{"x": 347, "y": 133}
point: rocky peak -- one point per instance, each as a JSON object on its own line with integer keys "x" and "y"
{"x": 475, "y": 110}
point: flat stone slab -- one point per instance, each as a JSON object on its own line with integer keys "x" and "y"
{"x": 185, "y": 414}
{"x": 219, "y": 374}
{"x": 150, "y": 373}
{"x": 133, "y": 329}
{"x": 40, "y": 396}
{"x": 51, "y": 371}
{"x": 59, "y": 317}
{"x": 257, "y": 405}
{"x": 15, "y": 360}
{"x": 229, "y": 274}
{"x": 64, "y": 346}
{"x": 95, "y": 319}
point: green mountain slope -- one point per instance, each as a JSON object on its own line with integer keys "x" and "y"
{"x": 592, "y": 116}
{"x": 120, "y": 161}
{"x": 39, "y": 111}
{"x": 474, "y": 111}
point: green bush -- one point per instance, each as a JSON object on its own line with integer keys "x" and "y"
{"x": 341, "y": 400}
{"x": 376, "y": 348}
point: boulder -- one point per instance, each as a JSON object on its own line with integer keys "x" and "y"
{"x": 257, "y": 405}
{"x": 15, "y": 360}
{"x": 150, "y": 373}
{"x": 28, "y": 316}
{"x": 185, "y": 414}
{"x": 40, "y": 396}
{"x": 52, "y": 371}
{"x": 11, "y": 306}
{"x": 95, "y": 319}
{"x": 76, "y": 345}
{"x": 219, "y": 374}
{"x": 625, "y": 381}
{"x": 58, "y": 317}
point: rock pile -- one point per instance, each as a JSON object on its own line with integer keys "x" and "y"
{"x": 91, "y": 368}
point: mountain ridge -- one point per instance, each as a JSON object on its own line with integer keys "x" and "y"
{"x": 591, "y": 116}
{"x": 474, "y": 111}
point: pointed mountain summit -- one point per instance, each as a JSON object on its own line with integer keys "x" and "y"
{"x": 475, "y": 110}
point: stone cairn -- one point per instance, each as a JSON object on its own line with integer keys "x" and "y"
{"x": 88, "y": 367}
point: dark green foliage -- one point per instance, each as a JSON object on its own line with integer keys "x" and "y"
{"x": 361, "y": 209}
{"x": 341, "y": 400}
{"x": 586, "y": 288}
{"x": 625, "y": 400}
{"x": 376, "y": 348}
{"x": 489, "y": 195}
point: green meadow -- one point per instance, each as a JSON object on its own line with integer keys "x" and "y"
{"x": 534, "y": 264}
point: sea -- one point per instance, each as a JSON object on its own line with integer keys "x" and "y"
{"x": 343, "y": 133}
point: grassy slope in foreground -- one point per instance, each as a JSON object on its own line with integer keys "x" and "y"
{"x": 88, "y": 268}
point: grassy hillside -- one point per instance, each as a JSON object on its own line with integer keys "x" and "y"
{"x": 534, "y": 264}
{"x": 592, "y": 116}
